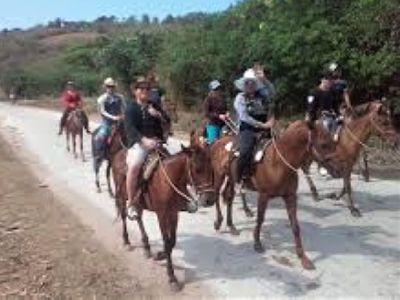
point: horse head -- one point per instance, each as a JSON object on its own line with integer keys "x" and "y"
{"x": 323, "y": 149}
{"x": 200, "y": 173}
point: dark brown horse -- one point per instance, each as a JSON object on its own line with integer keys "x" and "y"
{"x": 276, "y": 175}
{"x": 166, "y": 194}
{"x": 74, "y": 128}
{"x": 377, "y": 121}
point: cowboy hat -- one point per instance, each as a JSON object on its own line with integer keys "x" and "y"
{"x": 249, "y": 75}
{"x": 213, "y": 85}
{"x": 110, "y": 82}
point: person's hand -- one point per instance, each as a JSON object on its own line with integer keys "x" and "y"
{"x": 223, "y": 117}
{"x": 149, "y": 144}
{"x": 270, "y": 124}
{"x": 152, "y": 111}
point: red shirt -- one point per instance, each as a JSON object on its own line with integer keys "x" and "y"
{"x": 71, "y": 99}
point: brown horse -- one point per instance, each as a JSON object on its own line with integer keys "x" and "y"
{"x": 166, "y": 194}
{"x": 377, "y": 121}
{"x": 276, "y": 175}
{"x": 74, "y": 128}
{"x": 219, "y": 159}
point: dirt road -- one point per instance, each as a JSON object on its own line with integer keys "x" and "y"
{"x": 354, "y": 257}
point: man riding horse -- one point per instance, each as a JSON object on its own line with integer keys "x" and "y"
{"x": 254, "y": 108}
{"x": 111, "y": 107}
{"x": 144, "y": 133}
{"x": 71, "y": 100}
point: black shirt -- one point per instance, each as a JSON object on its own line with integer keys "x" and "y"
{"x": 140, "y": 123}
{"x": 319, "y": 100}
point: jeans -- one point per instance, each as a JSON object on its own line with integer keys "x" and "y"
{"x": 247, "y": 141}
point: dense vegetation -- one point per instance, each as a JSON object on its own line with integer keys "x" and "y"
{"x": 293, "y": 39}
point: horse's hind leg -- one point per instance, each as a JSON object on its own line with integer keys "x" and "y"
{"x": 291, "y": 208}
{"x": 108, "y": 176}
{"x": 96, "y": 165}
{"x": 121, "y": 205}
{"x": 145, "y": 238}
{"x": 67, "y": 139}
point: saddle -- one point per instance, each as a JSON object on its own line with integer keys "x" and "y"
{"x": 152, "y": 162}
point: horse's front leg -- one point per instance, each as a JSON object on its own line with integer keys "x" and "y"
{"x": 67, "y": 137}
{"x": 262, "y": 203}
{"x": 145, "y": 238}
{"x": 246, "y": 208}
{"x": 220, "y": 186}
{"x": 365, "y": 171}
{"x": 74, "y": 145}
{"x": 229, "y": 202}
{"x": 291, "y": 208}
{"x": 168, "y": 225}
{"x": 349, "y": 199}
{"x": 313, "y": 189}
{"x": 81, "y": 146}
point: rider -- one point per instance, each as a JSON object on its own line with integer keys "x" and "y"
{"x": 339, "y": 85}
{"x": 111, "y": 107}
{"x": 255, "y": 114}
{"x": 71, "y": 100}
{"x": 156, "y": 93}
{"x": 215, "y": 110}
{"x": 143, "y": 132}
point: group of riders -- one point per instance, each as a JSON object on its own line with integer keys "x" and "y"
{"x": 141, "y": 115}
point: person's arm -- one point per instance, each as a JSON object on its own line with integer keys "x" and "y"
{"x": 241, "y": 111}
{"x": 131, "y": 122}
{"x": 161, "y": 111}
{"x": 312, "y": 107}
{"x": 101, "y": 105}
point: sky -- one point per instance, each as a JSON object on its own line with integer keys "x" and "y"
{"x": 28, "y": 13}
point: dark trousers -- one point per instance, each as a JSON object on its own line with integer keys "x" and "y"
{"x": 247, "y": 141}
{"x": 85, "y": 120}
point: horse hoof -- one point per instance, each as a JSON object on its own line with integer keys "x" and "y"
{"x": 355, "y": 212}
{"x": 176, "y": 286}
{"x": 234, "y": 231}
{"x": 259, "y": 248}
{"x": 217, "y": 225}
{"x": 249, "y": 213}
{"x": 161, "y": 255}
{"x": 307, "y": 264}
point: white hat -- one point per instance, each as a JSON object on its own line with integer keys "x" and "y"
{"x": 109, "y": 82}
{"x": 249, "y": 75}
{"x": 333, "y": 66}
{"x": 213, "y": 85}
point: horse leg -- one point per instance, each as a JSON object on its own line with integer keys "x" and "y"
{"x": 262, "y": 203}
{"x": 229, "y": 203}
{"x": 123, "y": 212}
{"x": 313, "y": 189}
{"x": 96, "y": 164}
{"x": 365, "y": 171}
{"x": 291, "y": 208}
{"x": 168, "y": 224}
{"x": 81, "y": 146}
{"x": 349, "y": 199}
{"x": 108, "y": 176}
{"x": 145, "y": 238}
{"x": 246, "y": 208}
{"x": 74, "y": 145}
{"x": 67, "y": 139}
{"x": 221, "y": 188}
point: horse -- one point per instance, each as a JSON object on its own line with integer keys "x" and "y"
{"x": 166, "y": 194}
{"x": 73, "y": 128}
{"x": 197, "y": 138}
{"x": 377, "y": 121}
{"x": 276, "y": 174}
{"x": 114, "y": 144}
